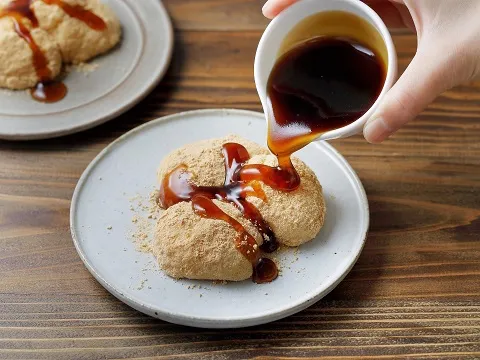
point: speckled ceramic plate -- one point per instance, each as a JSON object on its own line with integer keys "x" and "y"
{"x": 121, "y": 79}
{"x": 124, "y": 174}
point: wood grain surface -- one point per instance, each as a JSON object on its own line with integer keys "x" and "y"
{"x": 414, "y": 293}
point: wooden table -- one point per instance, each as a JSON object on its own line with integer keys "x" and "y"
{"x": 414, "y": 293}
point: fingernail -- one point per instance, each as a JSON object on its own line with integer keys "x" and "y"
{"x": 267, "y": 9}
{"x": 376, "y": 130}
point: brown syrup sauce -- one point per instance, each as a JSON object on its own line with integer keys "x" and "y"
{"x": 47, "y": 89}
{"x": 78, "y": 12}
{"x": 320, "y": 85}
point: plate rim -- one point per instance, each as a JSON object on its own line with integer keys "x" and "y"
{"x": 156, "y": 79}
{"x": 206, "y": 322}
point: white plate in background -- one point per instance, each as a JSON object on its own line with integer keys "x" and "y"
{"x": 101, "y": 224}
{"x": 123, "y": 77}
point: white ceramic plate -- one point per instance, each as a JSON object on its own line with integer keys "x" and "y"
{"x": 123, "y": 77}
{"x": 128, "y": 167}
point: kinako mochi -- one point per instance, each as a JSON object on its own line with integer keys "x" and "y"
{"x": 60, "y": 37}
{"x": 189, "y": 246}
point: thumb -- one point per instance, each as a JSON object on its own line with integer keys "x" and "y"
{"x": 426, "y": 77}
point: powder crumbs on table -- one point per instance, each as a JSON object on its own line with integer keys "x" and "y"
{"x": 142, "y": 284}
{"x": 296, "y": 252}
{"x": 219, "y": 282}
{"x": 150, "y": 266}
{"x": 6, "y": 92}
{"x": 83, "y": 68}
{"x": 145, "y": 214}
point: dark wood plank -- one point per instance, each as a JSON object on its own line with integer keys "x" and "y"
{"x": 218, "y": 15}
{"x": 414, "y": 293}
{"x": 80, "y": 326}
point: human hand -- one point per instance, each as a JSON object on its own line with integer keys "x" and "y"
{"x": 448, "y": 54}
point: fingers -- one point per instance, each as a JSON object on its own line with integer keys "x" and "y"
{"x": 274, "y": 7}
{"x": 425, "y": 78}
